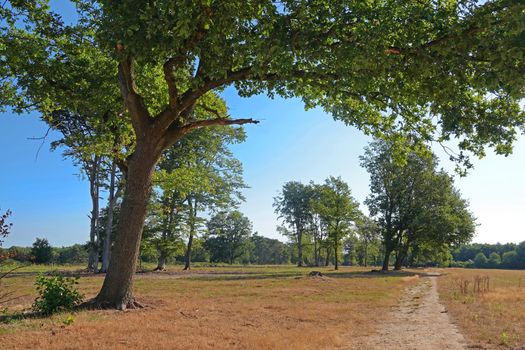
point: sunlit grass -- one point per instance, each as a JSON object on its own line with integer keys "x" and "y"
{"x": 248, "y": 307}
{"x": 495, "y": 319}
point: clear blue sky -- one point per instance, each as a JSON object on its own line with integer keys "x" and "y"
{"x": 49, "y": 199}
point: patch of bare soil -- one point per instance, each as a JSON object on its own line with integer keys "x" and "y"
{"x": 419, "y": 322}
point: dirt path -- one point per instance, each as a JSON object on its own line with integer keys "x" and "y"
{"x": 419, "y": 322}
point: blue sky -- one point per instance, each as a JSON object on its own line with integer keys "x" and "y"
{"x": 49, "y": 199}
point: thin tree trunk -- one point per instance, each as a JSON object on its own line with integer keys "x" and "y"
{"x": 316, "y": 254}
{"x": 106, "y": 254}
{"x": 335, "y": 253}
{"x": 327, "y": 260}
{"x": 365, "y": 258}
{"x": 94, "y": 193}
{"x": 193, "y": 217}
{"x": 299, "y": 248}
{"x": 117, "y": 290}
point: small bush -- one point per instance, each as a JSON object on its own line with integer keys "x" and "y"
{"x": 56, "y": 293}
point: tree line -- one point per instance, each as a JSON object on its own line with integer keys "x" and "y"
{"x": 504, "y": 256}
{"x": 415, "y": 211}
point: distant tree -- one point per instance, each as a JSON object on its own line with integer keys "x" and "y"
{"x": 368, "y": 244}
{"x": 510, "y": 259}
{"x": 74, "y": 254}
{"x": 229, "y": 233}
{"x": 480, "y": 261}
{"x": 268, "y": 251}
{"x": 338, "y": 210}
{"x": 293, "y": 205}
{"x": 413, "y": 203}
{"x": 494, "y": 260}
{"x": 42, "y": 251}
{"x": 96, "y": 145}
{"x": 520, "y": 250}
{"x": 200, "y": 176}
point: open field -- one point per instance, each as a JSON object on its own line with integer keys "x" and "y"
{"x": 278, "y": 307}
{"x": 220, "y": 308}
{"x": 490, "y": 320}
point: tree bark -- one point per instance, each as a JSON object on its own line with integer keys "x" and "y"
{"x": 386, "y": 259}
{"x": 161, "y": 264}
{"x": 94, "y": 193}
{"x": 193, "y": 216}
{"x": 117, "y": 290}
{"x": 402, "y": 253}
{"x": 336, "y": 263}
{"x": 299, "y": 248}
{"x": 106, "y": 254}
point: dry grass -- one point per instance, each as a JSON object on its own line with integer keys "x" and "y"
{"x": 494, "y": 319}
{"x": 260, "y": 308}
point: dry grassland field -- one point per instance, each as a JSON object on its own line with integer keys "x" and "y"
{"x": 491, "y": 319}
{"x": 264, "y": 307}
{"x": 238, "y": 308}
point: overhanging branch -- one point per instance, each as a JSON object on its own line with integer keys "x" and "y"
{"x": 174, "y": 133}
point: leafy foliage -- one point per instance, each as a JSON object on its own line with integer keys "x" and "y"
{"x": 229, "y": 234}
{"x": 416, "y": 206}
{"x": 42, "y": 251}
{"x": 5, "y": 226}
{"x": 56, "y": 293}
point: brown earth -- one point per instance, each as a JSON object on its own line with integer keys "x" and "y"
{"x": 419, "y": 322}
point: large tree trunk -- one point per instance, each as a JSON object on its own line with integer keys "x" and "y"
{"x": 327, "y": 259}
{"x": 94, "y": 193}
{"x": 106, "y": 253}
{"x": 402, "y": 253}
{"x": 386, "y": 259}
{"x": 117, "y": 290}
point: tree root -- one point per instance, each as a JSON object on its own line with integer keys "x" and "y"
{"x": 95, "y": 304}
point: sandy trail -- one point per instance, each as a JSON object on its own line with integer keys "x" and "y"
{"x": 419, "y": 322}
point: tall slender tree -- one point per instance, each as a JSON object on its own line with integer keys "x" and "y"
{"x": 338, "y": 209}
{"x": 293, "y": 207}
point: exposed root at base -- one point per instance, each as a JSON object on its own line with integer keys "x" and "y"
{"x": 95, "y": 304}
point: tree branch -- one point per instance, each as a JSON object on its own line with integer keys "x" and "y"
{"x": 172, "y": 85}
{"x": 218, "y": 122}
{"x": 190, "y": 96}
{"x": 174, "y": 133}
{"x": 140, "y": 117}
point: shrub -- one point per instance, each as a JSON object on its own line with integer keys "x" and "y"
{"x": 42, "y": 251}
{"x": 56, "y": 293}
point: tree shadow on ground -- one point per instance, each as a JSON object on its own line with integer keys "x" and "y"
{"x": 230, "y": 276}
